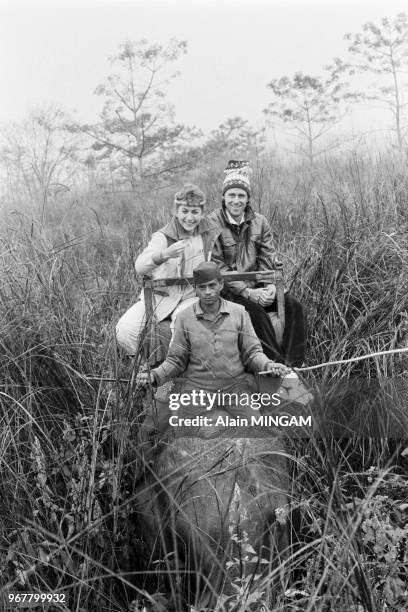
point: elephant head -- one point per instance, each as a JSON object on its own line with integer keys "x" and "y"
{"x": 216, "y": 508}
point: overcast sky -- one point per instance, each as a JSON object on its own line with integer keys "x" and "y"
{"x": 57, "y": 52}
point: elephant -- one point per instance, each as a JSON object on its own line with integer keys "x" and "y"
{"x": 214, "y": 510}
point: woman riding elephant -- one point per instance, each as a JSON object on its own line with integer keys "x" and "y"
{"x": 173, "y": 251}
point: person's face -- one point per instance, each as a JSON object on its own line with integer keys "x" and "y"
{"x": 235, "y": 200}
{"x": 189, "y": 217}
{"x": 209, "y": 292}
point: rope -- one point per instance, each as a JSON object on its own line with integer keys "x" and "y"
{"x": 343, "y": 361}
{"x": 305, "y": 369}
{"x": 105, "y": 379}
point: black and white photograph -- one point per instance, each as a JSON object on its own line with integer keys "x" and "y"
{"x": 204, "y": 306}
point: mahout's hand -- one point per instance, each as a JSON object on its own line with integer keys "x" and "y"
{"x": 277, "y": 369}
{"x": 144, "y": 378}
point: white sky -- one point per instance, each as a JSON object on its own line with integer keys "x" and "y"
{"x": 57, "y": 52}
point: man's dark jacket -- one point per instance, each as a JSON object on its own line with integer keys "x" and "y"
{"x": 243, "y": 248}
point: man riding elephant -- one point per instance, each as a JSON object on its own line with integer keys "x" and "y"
{"x": 214, "y": 348}
{"x": 215, "y": 491}
{"x": 245, "y": 244}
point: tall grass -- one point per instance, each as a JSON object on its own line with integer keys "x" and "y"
{"x": 71, "y": 452}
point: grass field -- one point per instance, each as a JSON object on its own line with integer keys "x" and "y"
{"x": 70, "y": 444}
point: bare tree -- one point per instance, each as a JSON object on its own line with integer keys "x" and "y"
{"x": 236, "y": 134}
{"x": 308, "y": 105}
{"x": 39, "y": 156}
{"x": 383, "y": 52}
{"x": 137, "y": 134}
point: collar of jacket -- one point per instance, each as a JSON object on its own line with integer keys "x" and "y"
{"x": 248, "y": 215}
{"x": 175, "y": 231}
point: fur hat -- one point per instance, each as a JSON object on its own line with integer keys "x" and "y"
{"x": 237, "y": 175}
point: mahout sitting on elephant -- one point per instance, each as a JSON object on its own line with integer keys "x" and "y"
{"x": 214, "y": 504}
{"x": 214, "y": 348}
